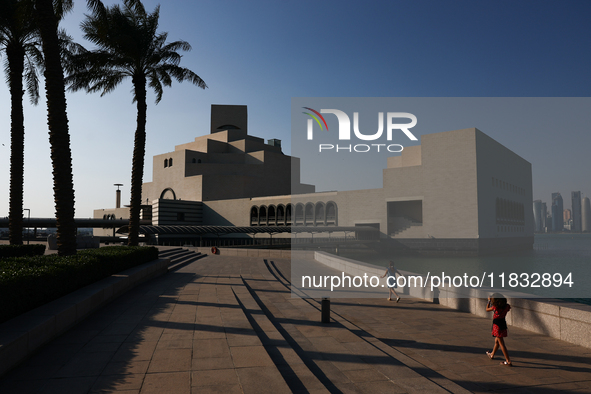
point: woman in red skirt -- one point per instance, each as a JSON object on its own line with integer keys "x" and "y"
{"x": 498, "y": 304}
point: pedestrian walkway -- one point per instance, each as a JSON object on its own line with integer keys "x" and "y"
{"x": 229, "y": 325}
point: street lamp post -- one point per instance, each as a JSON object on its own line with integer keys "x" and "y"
{"x": 118, "y": 195}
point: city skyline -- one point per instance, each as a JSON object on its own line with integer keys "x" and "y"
{"x": 576, "y": 219}
{"x": 263, "y": 56}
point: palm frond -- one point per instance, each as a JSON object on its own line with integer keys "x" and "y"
{"x": 7, "y": 71}
{"x": 62, "y": 7}
{"x": 97, "y": 7}
{"x": 184, "y": 74}
{"x": 177, "y": 46}
{"x": 31, "y": 78}
{"x": 19, "y": 31}
{"x": 127, "y": 44}
{"x": 163, "y": 75}
{"x": 136, "y": 7}
{"x": 156, "y": 84}
{"x": 107, "y": 83}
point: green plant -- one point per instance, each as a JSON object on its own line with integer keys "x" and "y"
{"x": 29, "y": 282}
{"x": 21, "y": 250}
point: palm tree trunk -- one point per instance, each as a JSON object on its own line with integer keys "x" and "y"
{"x": 59, "y": 137}
{"x": 16, "y": 61}
{"x": 137, "y": 168}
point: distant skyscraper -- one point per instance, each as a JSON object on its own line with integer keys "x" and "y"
{"x": 586, "y": 214}
{"x": 566, "y": 215}
{"x": 557, "y": 224}
{"x": 538, "y": 216}
{"x": 545, "y": 222}
{"x": 557, "y": 208}
{"x": 576, "y": 207}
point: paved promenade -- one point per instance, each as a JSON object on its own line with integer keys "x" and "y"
{"x": 229, "y": 325}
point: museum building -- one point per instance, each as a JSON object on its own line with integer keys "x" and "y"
{"x": 458, "y": 191}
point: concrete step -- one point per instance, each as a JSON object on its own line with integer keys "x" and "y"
{"x": 179, "y": 254}
{"x": 184, "y": 260}
{"x": 162, "y": 252}
{"x": 181, "y": 257}
{"x": 174, "y": 253}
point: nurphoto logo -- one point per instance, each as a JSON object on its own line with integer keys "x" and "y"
{"x": 345, "y": 130}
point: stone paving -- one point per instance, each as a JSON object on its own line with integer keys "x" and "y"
{"x": 229, "y": 325}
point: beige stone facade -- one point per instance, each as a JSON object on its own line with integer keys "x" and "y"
{"x": 226, "y": 164}
{"x": 457, "y": 190}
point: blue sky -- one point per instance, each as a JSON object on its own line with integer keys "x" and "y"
{"x": 263, "y": 53}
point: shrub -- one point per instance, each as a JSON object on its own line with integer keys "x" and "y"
{"x": 29, "y": 282}
{"x": 21, "y": 250}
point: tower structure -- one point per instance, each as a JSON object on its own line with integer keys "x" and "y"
{"x": 227, "y": 163}
{"x": 557, "y": 212}
{"x": 566, "y": 216}
{"x": 537, "y": 216}
{"x": 576, "y": 212}
{"x": 586, "y": 215}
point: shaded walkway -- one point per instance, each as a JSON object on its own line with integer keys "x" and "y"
{"x": 228, "y": 324}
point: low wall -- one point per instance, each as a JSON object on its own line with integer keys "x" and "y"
{"x": 82, "y": 242}
{"x": 561, "y": 319}
{"x": 270, "y": 253}
{"x": 21, "y": 336}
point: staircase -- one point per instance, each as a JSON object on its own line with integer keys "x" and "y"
{"x": 179, "y": 257}
{"x": 402, "y": 223}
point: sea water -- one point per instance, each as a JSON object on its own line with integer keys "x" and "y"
{"x": 562, "y": 257}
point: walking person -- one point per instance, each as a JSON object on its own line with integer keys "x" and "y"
{"x": 498, "y": 303}
{"x": 391, "y": 281}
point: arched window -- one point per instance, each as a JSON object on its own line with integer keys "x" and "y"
{"x": 331, "y": 213}
{"x": 288, "y": 214}
{"x": 254, "y": 216}
{"x": 271, "y": 218}
{"x": 228, "y": 127}
{"x": 280, "y": 215}
{"x": 165, "y": 163}
{"x": 319, "y": 217}
{"x": 194, "y": 160}
{"x": 263, "y": 216}
{"x": 168, "y": 194}
{"x": 170, "y": 162}
{"x": 309, "y": 214}
{"x": 299, "y": 214}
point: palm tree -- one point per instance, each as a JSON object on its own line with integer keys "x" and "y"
{"x": 128, "y": 46}
{"x": 19, "y": 41}
{"x": 47, "y": 14}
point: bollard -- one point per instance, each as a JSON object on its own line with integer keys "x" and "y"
{"x": 325, "y": 310}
